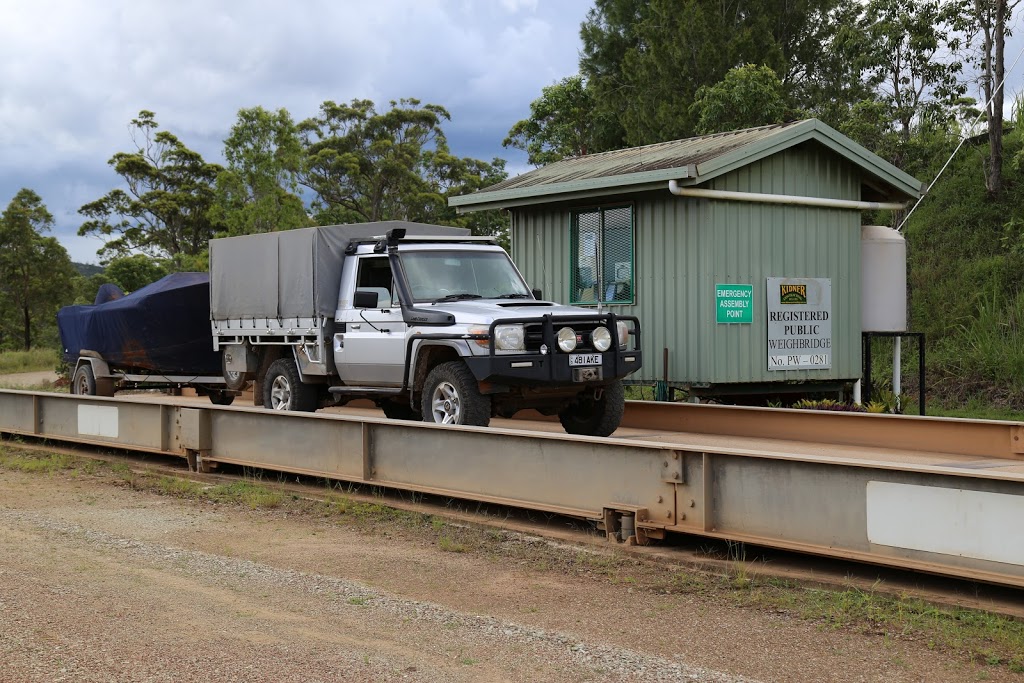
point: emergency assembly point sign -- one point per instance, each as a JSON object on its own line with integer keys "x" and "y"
{"x": 734, "y": 303}
{"x": 799, "y": 323}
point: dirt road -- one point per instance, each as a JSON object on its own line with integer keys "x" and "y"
{"x": 29, "y": 379}
{"x": 100, "y": 582}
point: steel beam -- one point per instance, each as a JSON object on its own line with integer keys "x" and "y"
{"x": 952, "y": 507}
{"x": 988, "y": 438}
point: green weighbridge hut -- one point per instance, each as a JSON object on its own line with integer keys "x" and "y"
{"x": 740, "y": 252}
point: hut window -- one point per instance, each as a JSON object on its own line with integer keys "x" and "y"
{"x": 602, "y": 256}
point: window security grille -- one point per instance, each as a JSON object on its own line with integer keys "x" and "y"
{"x": 602, "y": 256}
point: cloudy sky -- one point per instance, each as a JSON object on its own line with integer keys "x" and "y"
{"x": 73, "y": 74}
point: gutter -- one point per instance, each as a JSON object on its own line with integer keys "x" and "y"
{"x": 764, "y": 198}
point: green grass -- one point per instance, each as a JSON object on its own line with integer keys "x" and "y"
{"x": 26, "y": 461}
{"x": 973, "y": 409}
{"x": 36, "y": 360}
{"x": 251, "y": 495}
{"x": 974, "y": 635}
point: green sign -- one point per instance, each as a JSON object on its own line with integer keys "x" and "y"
{"x": 734, "y": 303}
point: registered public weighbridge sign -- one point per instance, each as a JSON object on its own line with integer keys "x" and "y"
{"x": 799, "y": 323}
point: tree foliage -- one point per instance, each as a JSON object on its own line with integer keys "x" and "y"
{"x": 561, "y": 124}
{"x": 364, "y": 165}
{"x": 645, "y": 59}
{"x": 258, "y": 191}
{"x": 164, "y": 210}
{"x": 748, "y": 96}
{"x": 904, "y": 50}
{"x": 35, "y": 271}
{"x": 132, "y": 273}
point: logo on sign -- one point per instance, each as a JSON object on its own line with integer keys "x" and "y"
{"x": 793, "y": 294}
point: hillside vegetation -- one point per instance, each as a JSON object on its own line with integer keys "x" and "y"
{"x": 966, "y": 281}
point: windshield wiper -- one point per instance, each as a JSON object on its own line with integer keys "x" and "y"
{"x": 458, "y": 297}
{"x": 514, "y": 296}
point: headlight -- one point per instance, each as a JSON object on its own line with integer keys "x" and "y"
{"x": 622, "y": 328}
{"x": 509, "y": 338}
{"x": 567, "y": 339}
{"x": 601, "y": 338}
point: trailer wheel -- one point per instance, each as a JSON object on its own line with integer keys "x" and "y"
{"x": 451, "y": 396}
{"x": 283, "y": 390}
{"x": 84, "y": 382}
{"x": 589, "y": 416}
{"x": 221, "y": 398}
{"x": 395, "y": 409}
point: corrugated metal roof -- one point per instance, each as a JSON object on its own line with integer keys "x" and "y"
{"x": 676, "y": 154}
{"x": 693, "y": 160}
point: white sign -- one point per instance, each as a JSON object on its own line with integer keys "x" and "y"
{"x": 799, "y": 323}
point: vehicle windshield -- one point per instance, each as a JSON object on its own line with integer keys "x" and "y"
{"x": 454, "y": 275}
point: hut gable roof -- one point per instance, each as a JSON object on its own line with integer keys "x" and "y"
{"x": 690, "y": 162}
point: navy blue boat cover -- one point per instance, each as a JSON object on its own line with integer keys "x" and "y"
{"x": 162, "y": 328}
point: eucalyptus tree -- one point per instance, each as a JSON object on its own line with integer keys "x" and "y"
{"x": 164, "y": 206}
{"x": 258, "y": 190}
{"x": 909, "y": 54}
{"x": 563, "y": 122}
{"x": 364, "y": 165}
{"x": 35, "y": 271}
{"x": 987, "y": 24}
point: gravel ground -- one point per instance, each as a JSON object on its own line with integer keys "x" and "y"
{"x": 99, "y": 583}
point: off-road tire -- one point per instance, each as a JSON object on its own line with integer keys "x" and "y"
{"x": 451, "y": 396}
{"x": 283, "y": 390}
{"x": 600, "y": 417}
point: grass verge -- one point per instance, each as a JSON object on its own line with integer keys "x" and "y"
{"x": 35, "y": 360}
{"x": 983, "y": 638}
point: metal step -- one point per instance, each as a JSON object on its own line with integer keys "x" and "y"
{"x": 365, "y": 391}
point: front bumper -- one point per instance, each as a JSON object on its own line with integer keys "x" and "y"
{"x": 553, "y": 367}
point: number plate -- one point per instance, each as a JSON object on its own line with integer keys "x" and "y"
{"x": 577, "y": 359}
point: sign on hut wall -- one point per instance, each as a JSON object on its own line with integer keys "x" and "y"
{"x": 799, "y": 323}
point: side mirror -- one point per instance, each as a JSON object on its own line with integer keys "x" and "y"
{"x": 364, "y": 299}
{"x": 537, "y": 294}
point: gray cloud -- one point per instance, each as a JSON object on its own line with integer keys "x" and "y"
{"x": 74, "y": 74}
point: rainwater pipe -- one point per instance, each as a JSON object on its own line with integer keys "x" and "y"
{"x": 765, "y": 198}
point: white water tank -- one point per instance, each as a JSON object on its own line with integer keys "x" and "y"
{"x": 883, "y": 284}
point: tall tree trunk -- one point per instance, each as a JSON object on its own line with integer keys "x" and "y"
{"x": 27, "y": 320}
{"x": 991, "y": 16}
{"x": 995, "y": 126}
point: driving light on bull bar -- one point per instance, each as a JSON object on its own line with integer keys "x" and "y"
{"x": 567, "y": 339}
{"x": 510, "y": 338}
{"x": 601, "y": 339}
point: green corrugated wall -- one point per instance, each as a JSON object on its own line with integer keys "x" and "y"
{"x": 684, "y": 246}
